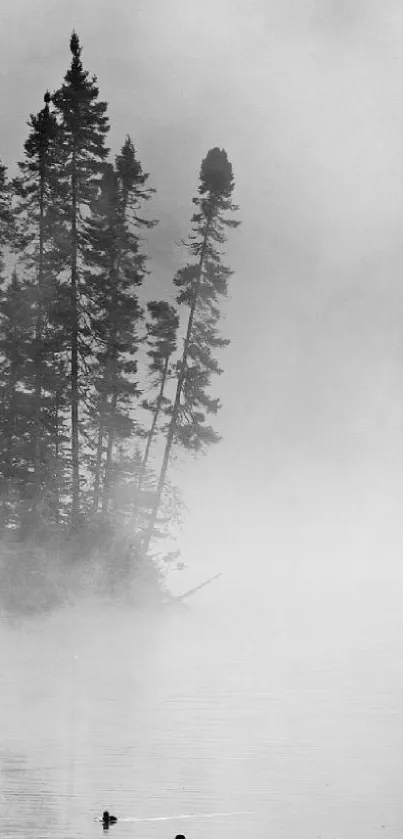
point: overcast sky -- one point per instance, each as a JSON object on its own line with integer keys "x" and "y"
{"x": 306, "y": 96}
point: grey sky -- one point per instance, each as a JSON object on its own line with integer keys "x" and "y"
{"x": 306, "y": 96}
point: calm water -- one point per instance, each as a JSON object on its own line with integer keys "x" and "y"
{"x": 285, "y": 701}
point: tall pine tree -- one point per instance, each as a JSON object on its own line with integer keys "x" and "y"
{"x": 6, "y": 217}
{"x": 116, "y": 269}
{"x": 38, "y": 211}
{"x": 16, "y": 404}
{"x": 84, "y": 126}
{"x": 6, "y": 351}
{"x": 202, "y": 282}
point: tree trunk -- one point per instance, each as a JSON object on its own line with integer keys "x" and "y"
{"x": 57, "y": 460}
{"x": 75, "y": 507}
{"x": 154, "y": 423}
{"x": 110, "y": 377}
{"x": 98, "y": 461}
{"x": 38, "y": 342}
{"x": 150, "y": 438}
{"x": 176, "y": 406}
{"x": 109, "y": 450}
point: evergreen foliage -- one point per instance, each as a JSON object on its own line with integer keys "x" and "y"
{"x": 116, "y": 267}
{"x": 201, "y": 283}
{"x": 83, "y": 126}
{"x": 38, "y": 213}
{"x": 84, "y": 358}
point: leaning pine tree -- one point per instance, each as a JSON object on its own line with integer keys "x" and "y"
{"x": 162, "y": 328}
{"x": 161, "y": 337}
{"x": 83, "y": 125}
{"x": 201, "y": 283}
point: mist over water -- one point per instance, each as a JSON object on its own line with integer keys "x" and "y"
{"x": 279, "y": 690}
{"x": 275, "y": 694}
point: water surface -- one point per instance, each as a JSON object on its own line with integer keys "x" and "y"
{"x": 284, "y": 700}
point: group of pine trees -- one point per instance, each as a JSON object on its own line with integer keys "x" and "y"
{"x": 73, "y": 446}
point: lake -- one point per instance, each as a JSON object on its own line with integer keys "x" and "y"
{"x": 282, "y": 700}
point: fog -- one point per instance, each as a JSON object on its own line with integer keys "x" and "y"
{"x": 300, "y": 505}
{"x": 244, "y": 713}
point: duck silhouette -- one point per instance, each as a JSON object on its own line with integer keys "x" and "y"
{"x": 107, "y": 820}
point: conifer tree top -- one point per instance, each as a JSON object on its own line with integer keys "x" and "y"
{"x": 75, "y": 48}
{"x": 81, "y": 115}
{"x": 216, "y": 173}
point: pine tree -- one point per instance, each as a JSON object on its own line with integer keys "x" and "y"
{"x": 6, "y": 216}
{"x": 201, "y": 283}
{"x": 116, "y": 268}
{"x": 161, "y": 331}
{"x": 6, "y": 389}
{"x": 16, "y": 403}
{"x": 84, "y": 125}
{"x": 38, "y": 211}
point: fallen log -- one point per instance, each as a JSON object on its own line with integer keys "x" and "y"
{"x": 179, "y": 598}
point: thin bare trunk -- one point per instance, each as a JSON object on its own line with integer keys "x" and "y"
{"x": 110, "y": 377}
{"x": 191, "y": 591}
{"x": 75, "y": 507}
{"x": 38, "y": 341}
{"x": 57, "y": 485}
{"x": 153, "y": 428}
{"x": 98, "y": 461}
{"x": 109, "y": 451}
{"x": 150, "y": 438}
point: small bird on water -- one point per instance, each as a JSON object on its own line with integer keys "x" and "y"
{"x": 107, "y": 819}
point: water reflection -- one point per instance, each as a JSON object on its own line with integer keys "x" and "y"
{"x": 28, "y": 802}
{"x": 231, "y": 706}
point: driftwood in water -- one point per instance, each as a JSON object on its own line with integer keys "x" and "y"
{"x": 190, "y": 591}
